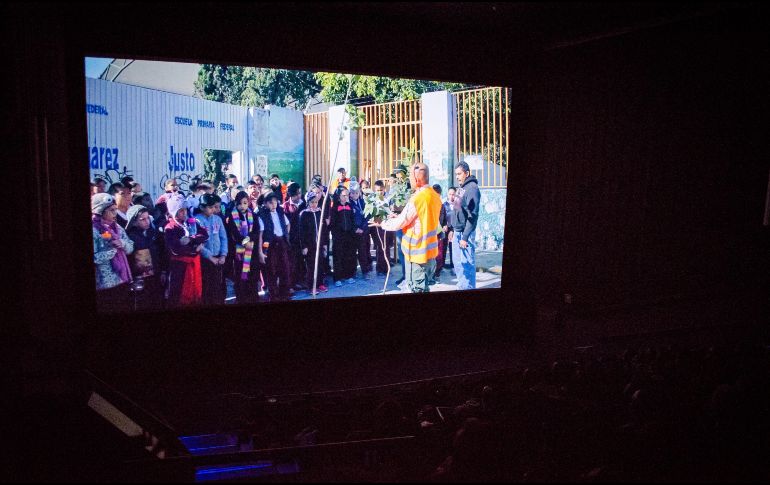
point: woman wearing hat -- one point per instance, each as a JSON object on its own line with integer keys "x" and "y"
{"x": 111, "y": 247}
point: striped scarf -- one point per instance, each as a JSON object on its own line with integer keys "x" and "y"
{"x": 241, "y": 251}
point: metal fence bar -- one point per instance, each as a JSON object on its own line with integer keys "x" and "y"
{"x": 475, "y": 125}
{"x": 399, "y": 139}
{"x": 482, "y": 123}
{"x": 506, "y": 137}
{"x": 490, "y": 176}
{"x": 500, "y": 141}
{"x": 316, "y": 145}
{"x": 481, "y": 128}
{"x": 389, "y": 126}
{"x": 500, "y": 131}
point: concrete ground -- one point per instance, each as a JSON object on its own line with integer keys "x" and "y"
{"x": 488, "y": 275}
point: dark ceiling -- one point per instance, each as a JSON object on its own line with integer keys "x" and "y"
{"x": 427, "y": 40}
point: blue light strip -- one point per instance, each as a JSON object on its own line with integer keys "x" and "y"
{"x": 233, "y": 472}
{"x": 204, "y": 444}
{"x": 211, "y": 447}
{"x": 207, "y": 471}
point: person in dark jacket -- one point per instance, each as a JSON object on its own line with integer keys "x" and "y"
{"x": 274, "y": 247}
{"x": 362, "y": 242}
{"x": 309, "y": 224}
{"x": 465, "y": 218}
{"x": 293, "y": 206}
{"x": 159, "y": 221}
{"x": 343, "y": 240}
{"x": 324, "y": 204}
{"x": 243, "y": 234}
{"x": 145, "y": 259}
{"x": 442, "y": 236}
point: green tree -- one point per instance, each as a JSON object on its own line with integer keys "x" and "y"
{"x": 213, "y": 161}
{"x": 256, "y": 86}
{"x": 220, "y": 83}
{"x": 377, "y": 88}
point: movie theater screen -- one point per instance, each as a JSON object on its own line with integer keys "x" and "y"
{"x": 237, "y": 185}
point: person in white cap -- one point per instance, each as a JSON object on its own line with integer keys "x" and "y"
{"x": 184, "y": 239}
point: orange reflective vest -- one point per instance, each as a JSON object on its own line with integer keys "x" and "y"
{"x": 420, "y": 240}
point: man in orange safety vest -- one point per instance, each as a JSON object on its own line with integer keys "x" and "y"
{"x": 420, "y": 222}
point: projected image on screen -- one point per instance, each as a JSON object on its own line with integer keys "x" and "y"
{"x": 215, "y": 185}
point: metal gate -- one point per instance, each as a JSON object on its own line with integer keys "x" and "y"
{"x": 388, "y": 127}
{"x": 482, "y": 134}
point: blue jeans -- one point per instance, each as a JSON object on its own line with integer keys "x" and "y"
{"x": 465, "y": 262}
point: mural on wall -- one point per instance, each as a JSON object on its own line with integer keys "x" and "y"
{"x": 289, "y": 165}
{"x": 285, "y": 154}
{"x": 260, "y": 165}
{"x": 438, "y": 163}
{"x": 111, "y": 176}
{"x": 491, "y": 226}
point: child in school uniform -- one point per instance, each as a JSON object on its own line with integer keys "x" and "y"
{"x": 243, "y": 231}
{"x": 309, "y": 224}
{"x": 292, "y": 207}
{"x": 343, "y": 240}
{"x": 362, "y": 242}
{"x": 379, "y": 236}
{"x": 145, "y": 260}
{"x": 214, "y": 252}
{"x": 274, "y": 247}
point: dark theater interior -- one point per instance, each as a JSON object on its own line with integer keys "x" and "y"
{"x": 629, "y": 339}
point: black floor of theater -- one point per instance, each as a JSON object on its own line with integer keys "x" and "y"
{"x": 59, "y": 439}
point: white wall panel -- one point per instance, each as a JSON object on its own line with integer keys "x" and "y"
{"x": 142, "y": 127}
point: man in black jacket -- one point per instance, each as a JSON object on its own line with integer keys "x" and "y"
{"x": 464, "y": 219}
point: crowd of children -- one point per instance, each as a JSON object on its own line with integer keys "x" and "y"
{"x": 180, "y": 250}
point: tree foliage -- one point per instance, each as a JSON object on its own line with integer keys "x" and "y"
{"x": 213, "y": 161}
{"x": 376, "y": 88}
{"x": 220, "y": 83}
{"x": 256, "y": 86}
